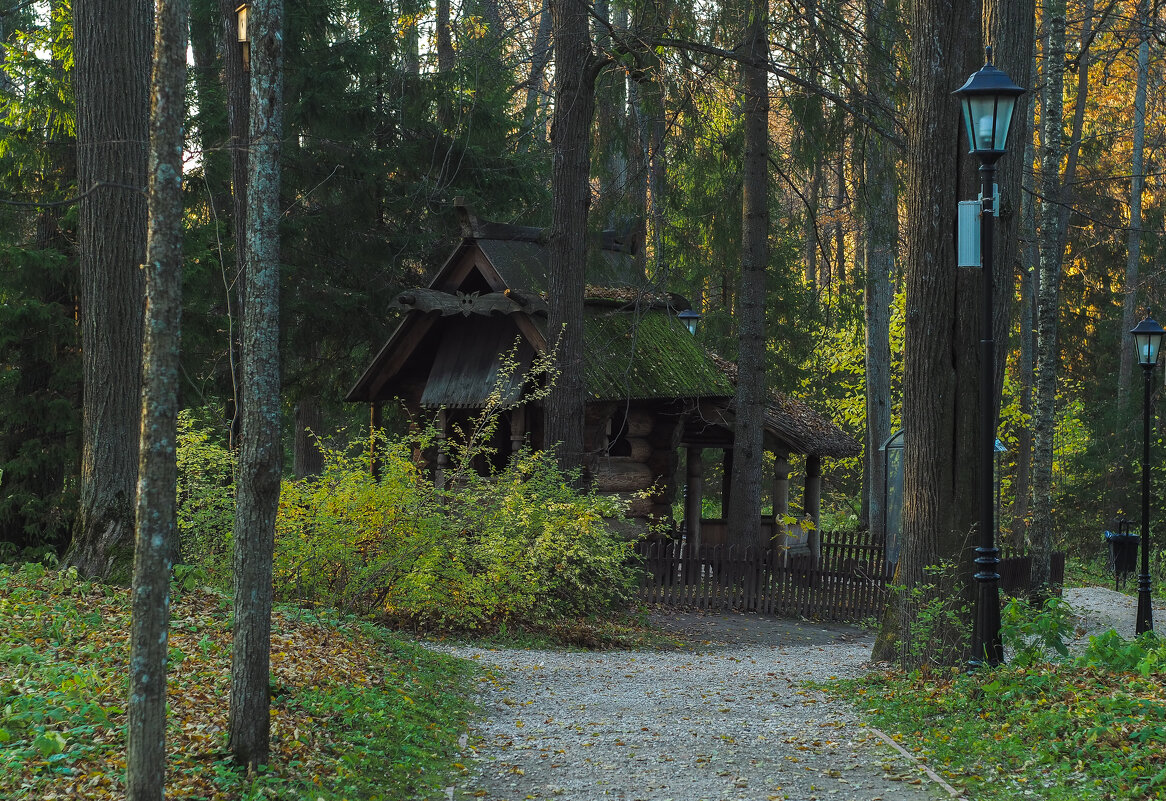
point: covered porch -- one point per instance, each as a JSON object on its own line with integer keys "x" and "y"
{"x": 791, "y": 428}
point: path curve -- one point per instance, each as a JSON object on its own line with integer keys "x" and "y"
{"x": 725, "y": 718}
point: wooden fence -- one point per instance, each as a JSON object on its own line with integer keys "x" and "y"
{"x": 1016, "y": 572}
{"x": 848, "y": 584}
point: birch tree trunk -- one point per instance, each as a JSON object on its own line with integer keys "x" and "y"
{"x": 1055, "y": 217}
{"x": 575, "y": 71}
{"x": 111, "y": 47}
{"x": 259, "y": 463}
{"x": 1048, "y": 299}
{"x": 1137, "y": 187}
{"x": 744, "y": 518}
{"x": 155, "y": 547}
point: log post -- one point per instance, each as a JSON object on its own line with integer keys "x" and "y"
{"x": 812, "y": 505}
{"x": 727, "y": 484}
{"x": 517, "y": 428}
{"x": 781, "y": 471}
{"x": 693, "y": 494}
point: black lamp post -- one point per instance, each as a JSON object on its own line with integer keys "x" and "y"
{"x": 1147, "y": 340}
{"x": 988, "y": 99}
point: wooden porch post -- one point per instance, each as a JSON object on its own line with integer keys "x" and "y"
{"x": 727, "y": 485}
{"x": 517, "y": 428}
{"x": 813, "y": 503}
{"x": 781, "y": 471}
{"x": 374, "y": 425}
{"x": 693, "y": 494}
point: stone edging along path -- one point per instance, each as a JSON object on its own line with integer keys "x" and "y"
{"x": 726, "y": 718}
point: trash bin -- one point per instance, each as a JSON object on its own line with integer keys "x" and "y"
{"x": 1123, "y": 551}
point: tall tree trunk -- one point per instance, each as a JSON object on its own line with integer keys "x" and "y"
{"x": 811, "y": 244}
{"x": 157, "y": 524}
{"x": 1137, "y": 187}
{"x": 236, "y": 81}
{"x": 1029, "y": 264}
{"x": 610, "y": 123}
{"x": 539, "y": 57}
{"x": 111, "y": 47}
{"x": 940, "y": 474}
{"x": 1010, "y": 27}
{"x": 880, "y": 236}
{"x": 657, "y": 166}
{"x": 744, "y": 518}
{"x": 841, "y": 201}
{"x": 259, "y": 464}
{"x": 445, "y": 58}
{"x": 1044, "y": 409}
{"x": 307, "y": 460}
{"x": 575, "y": 70}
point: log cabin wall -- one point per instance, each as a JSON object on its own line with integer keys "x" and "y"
{"x": 634, "y": 450}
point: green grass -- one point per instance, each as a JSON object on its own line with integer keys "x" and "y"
{"x": 356, "y": 712}
{"x": 1090, "y": 727}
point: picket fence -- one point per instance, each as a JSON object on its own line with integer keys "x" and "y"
{"x": 848, "y": 583}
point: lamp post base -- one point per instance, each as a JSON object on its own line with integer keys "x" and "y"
{"x": 1145, "y": 619}
{"x": 987, "y": 648}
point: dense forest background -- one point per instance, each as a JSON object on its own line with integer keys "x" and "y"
{"x": 394, "y": 109}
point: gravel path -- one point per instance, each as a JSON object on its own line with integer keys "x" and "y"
{"x": 1100, "y": 609}
{"x": 723, "y": 719}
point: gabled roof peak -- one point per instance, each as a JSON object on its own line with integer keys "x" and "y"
{"x": 623, "y": 240}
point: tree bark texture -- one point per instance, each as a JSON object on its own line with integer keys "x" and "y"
{"x": 942, "y": 323}
{"x": 236, "y": 82}
{"x": 1137, "y": 187}
{"x": 1048, "y": 299}
{"x": 259, "y": 463}
{"x": 880, "y": 227}
{"x": 1029, "y": 263}
{"x": 111, "y": 46}
{"x": 156, "y": 543}
{"x": 744, "y": 517}
{"x": 575, "y": 70}
{"x": 308, "y": 461}
{"x": 1010, "y": 29}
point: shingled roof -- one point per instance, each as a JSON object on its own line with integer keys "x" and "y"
{"x": 798, "y": 423}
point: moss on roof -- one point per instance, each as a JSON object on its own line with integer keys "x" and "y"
{"x": 645, "y": 355}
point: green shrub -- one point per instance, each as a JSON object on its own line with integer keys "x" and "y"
{"x": 206, "y": 498}
{"x": 517, "y": 547}
{"x": 1034, "y": 633}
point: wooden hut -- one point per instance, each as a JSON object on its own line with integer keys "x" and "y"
{"x": 652, "y": 392}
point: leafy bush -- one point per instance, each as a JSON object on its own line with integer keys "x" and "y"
{"x": 517, "y": 547}
{"x": 1146, "y": 654}
{"x": 206, "y": 498}
{"x": 1033, "y": 633}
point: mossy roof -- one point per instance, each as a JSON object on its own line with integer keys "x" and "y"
{"x": 645, "y": 354}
